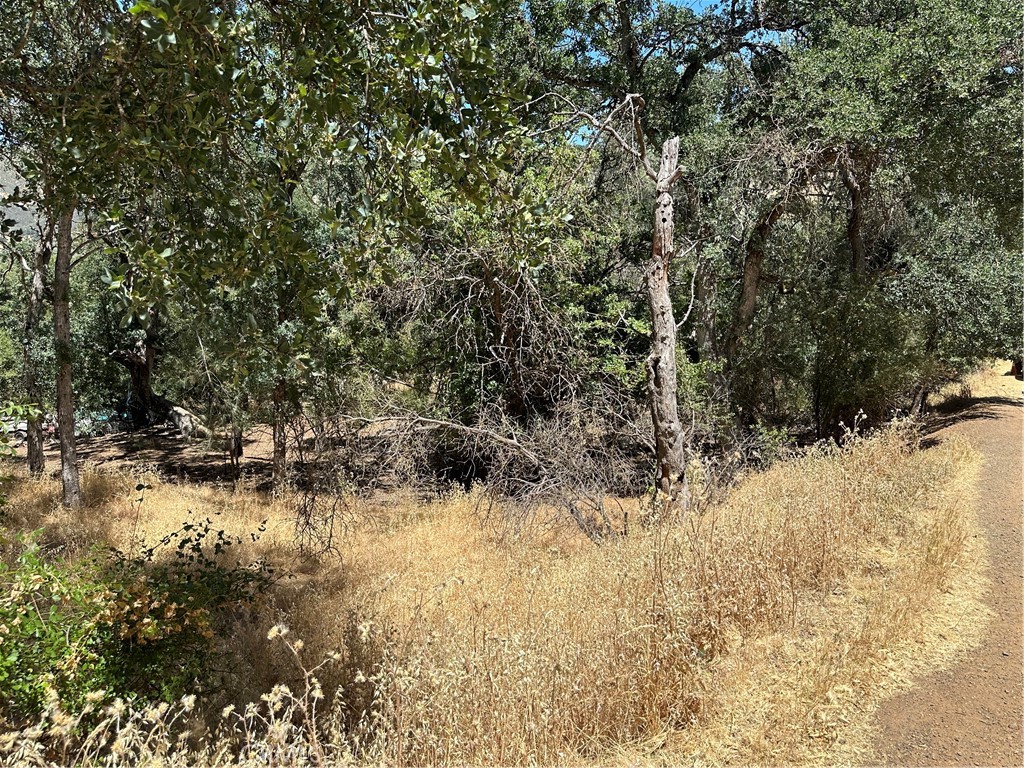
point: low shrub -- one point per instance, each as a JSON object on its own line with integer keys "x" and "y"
{"x": 113, "y": 625}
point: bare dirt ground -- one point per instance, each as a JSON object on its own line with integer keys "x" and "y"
{"x": 971, "y": 713}
{"x": 164, "y": 450}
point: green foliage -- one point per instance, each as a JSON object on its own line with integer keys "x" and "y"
{"x": 362, "y": 207}
{"x": 12, "y": 414}
{"x": 961, "y": 283}
{"x": 934, "y": 81}
{"x": 699, "y": 397}
{"x": 136, "y": 627}
{"x": 9, "y": 364}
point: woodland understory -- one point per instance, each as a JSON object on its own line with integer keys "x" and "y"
{"x": 540, "y": 363}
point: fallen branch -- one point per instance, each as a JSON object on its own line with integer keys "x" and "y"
{"x": 186, "y": 422}
{"x": 453, "y": 425}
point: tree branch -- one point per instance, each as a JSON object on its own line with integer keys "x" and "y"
{"x": 453, "y": 425}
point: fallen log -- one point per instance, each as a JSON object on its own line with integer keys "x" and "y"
{"x": 186, "y": 422}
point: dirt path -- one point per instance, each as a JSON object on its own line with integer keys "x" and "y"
{"x": 971, "y": 715}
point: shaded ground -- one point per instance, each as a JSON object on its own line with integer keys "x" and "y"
{"x": 971, "y": 714}
{"x": 163, "y": 449}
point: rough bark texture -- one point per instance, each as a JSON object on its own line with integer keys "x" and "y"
{"x": 855, "y": 222}
{"x": 144, "y": 406}
{"x": 236, "y": 450}
{"x": 704, "y": 287}
{"x": 629, "y": 49}
{"x": 919, "y": 401}
{"x": 62, "y": 339}
{"x": 753, "y": 266}
{"x": 33, "y": 386}
{"x": 661, "y": 363}
{"x": 505, "y": 346}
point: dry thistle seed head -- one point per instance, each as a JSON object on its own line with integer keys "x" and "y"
{"x": 278, "y": 630}
{"x": 277, "y": 733}
{"x": 364, "y": 630}
{"x": 116, "y": 708}
{"x": 188, "y": 702}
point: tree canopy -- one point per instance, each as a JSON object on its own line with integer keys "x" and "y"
{"x": 301, "y": 213}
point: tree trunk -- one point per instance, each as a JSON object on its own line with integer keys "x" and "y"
{"x": 236, "y": 449}
{"x": 62, "y": 339}
{"x": 629, "y": 49}
{"x": 280, "y": 474}
{"x": 704, "y": 287}
{"x": 143, "y": 402}
{"x": 753, "y": 264}
{"x": 506, "y": 347}
{"x": 855, "y": 222}
{"x": 144, "y": 407}
{"x": 33, "y": 387}
{"x": 661, "y": 363}
{"x": 920, "y": 400}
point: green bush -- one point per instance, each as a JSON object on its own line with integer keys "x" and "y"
{"x": 135, "y": 627}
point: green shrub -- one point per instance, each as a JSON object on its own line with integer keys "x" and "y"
{"x": 136, "y": 627}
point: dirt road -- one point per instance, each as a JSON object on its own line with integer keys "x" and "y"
{"x": 970, "y": 715}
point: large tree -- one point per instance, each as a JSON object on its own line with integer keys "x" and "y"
{"x": 183, "y": 129}
{"x": 785, "y": 112}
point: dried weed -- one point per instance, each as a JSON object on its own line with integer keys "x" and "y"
{"x": 763, "y": 631}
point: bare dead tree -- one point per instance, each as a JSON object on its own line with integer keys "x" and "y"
{"x": 669, "y": 435}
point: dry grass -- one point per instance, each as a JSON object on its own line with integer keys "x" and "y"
{"x": 991, "y": 380}
{"x": 761, "y": 632}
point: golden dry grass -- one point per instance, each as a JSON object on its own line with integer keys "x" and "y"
{"x": 761, "y": 632}
{"x": 992, "y": 379}
{"x": 995, "y": 381}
